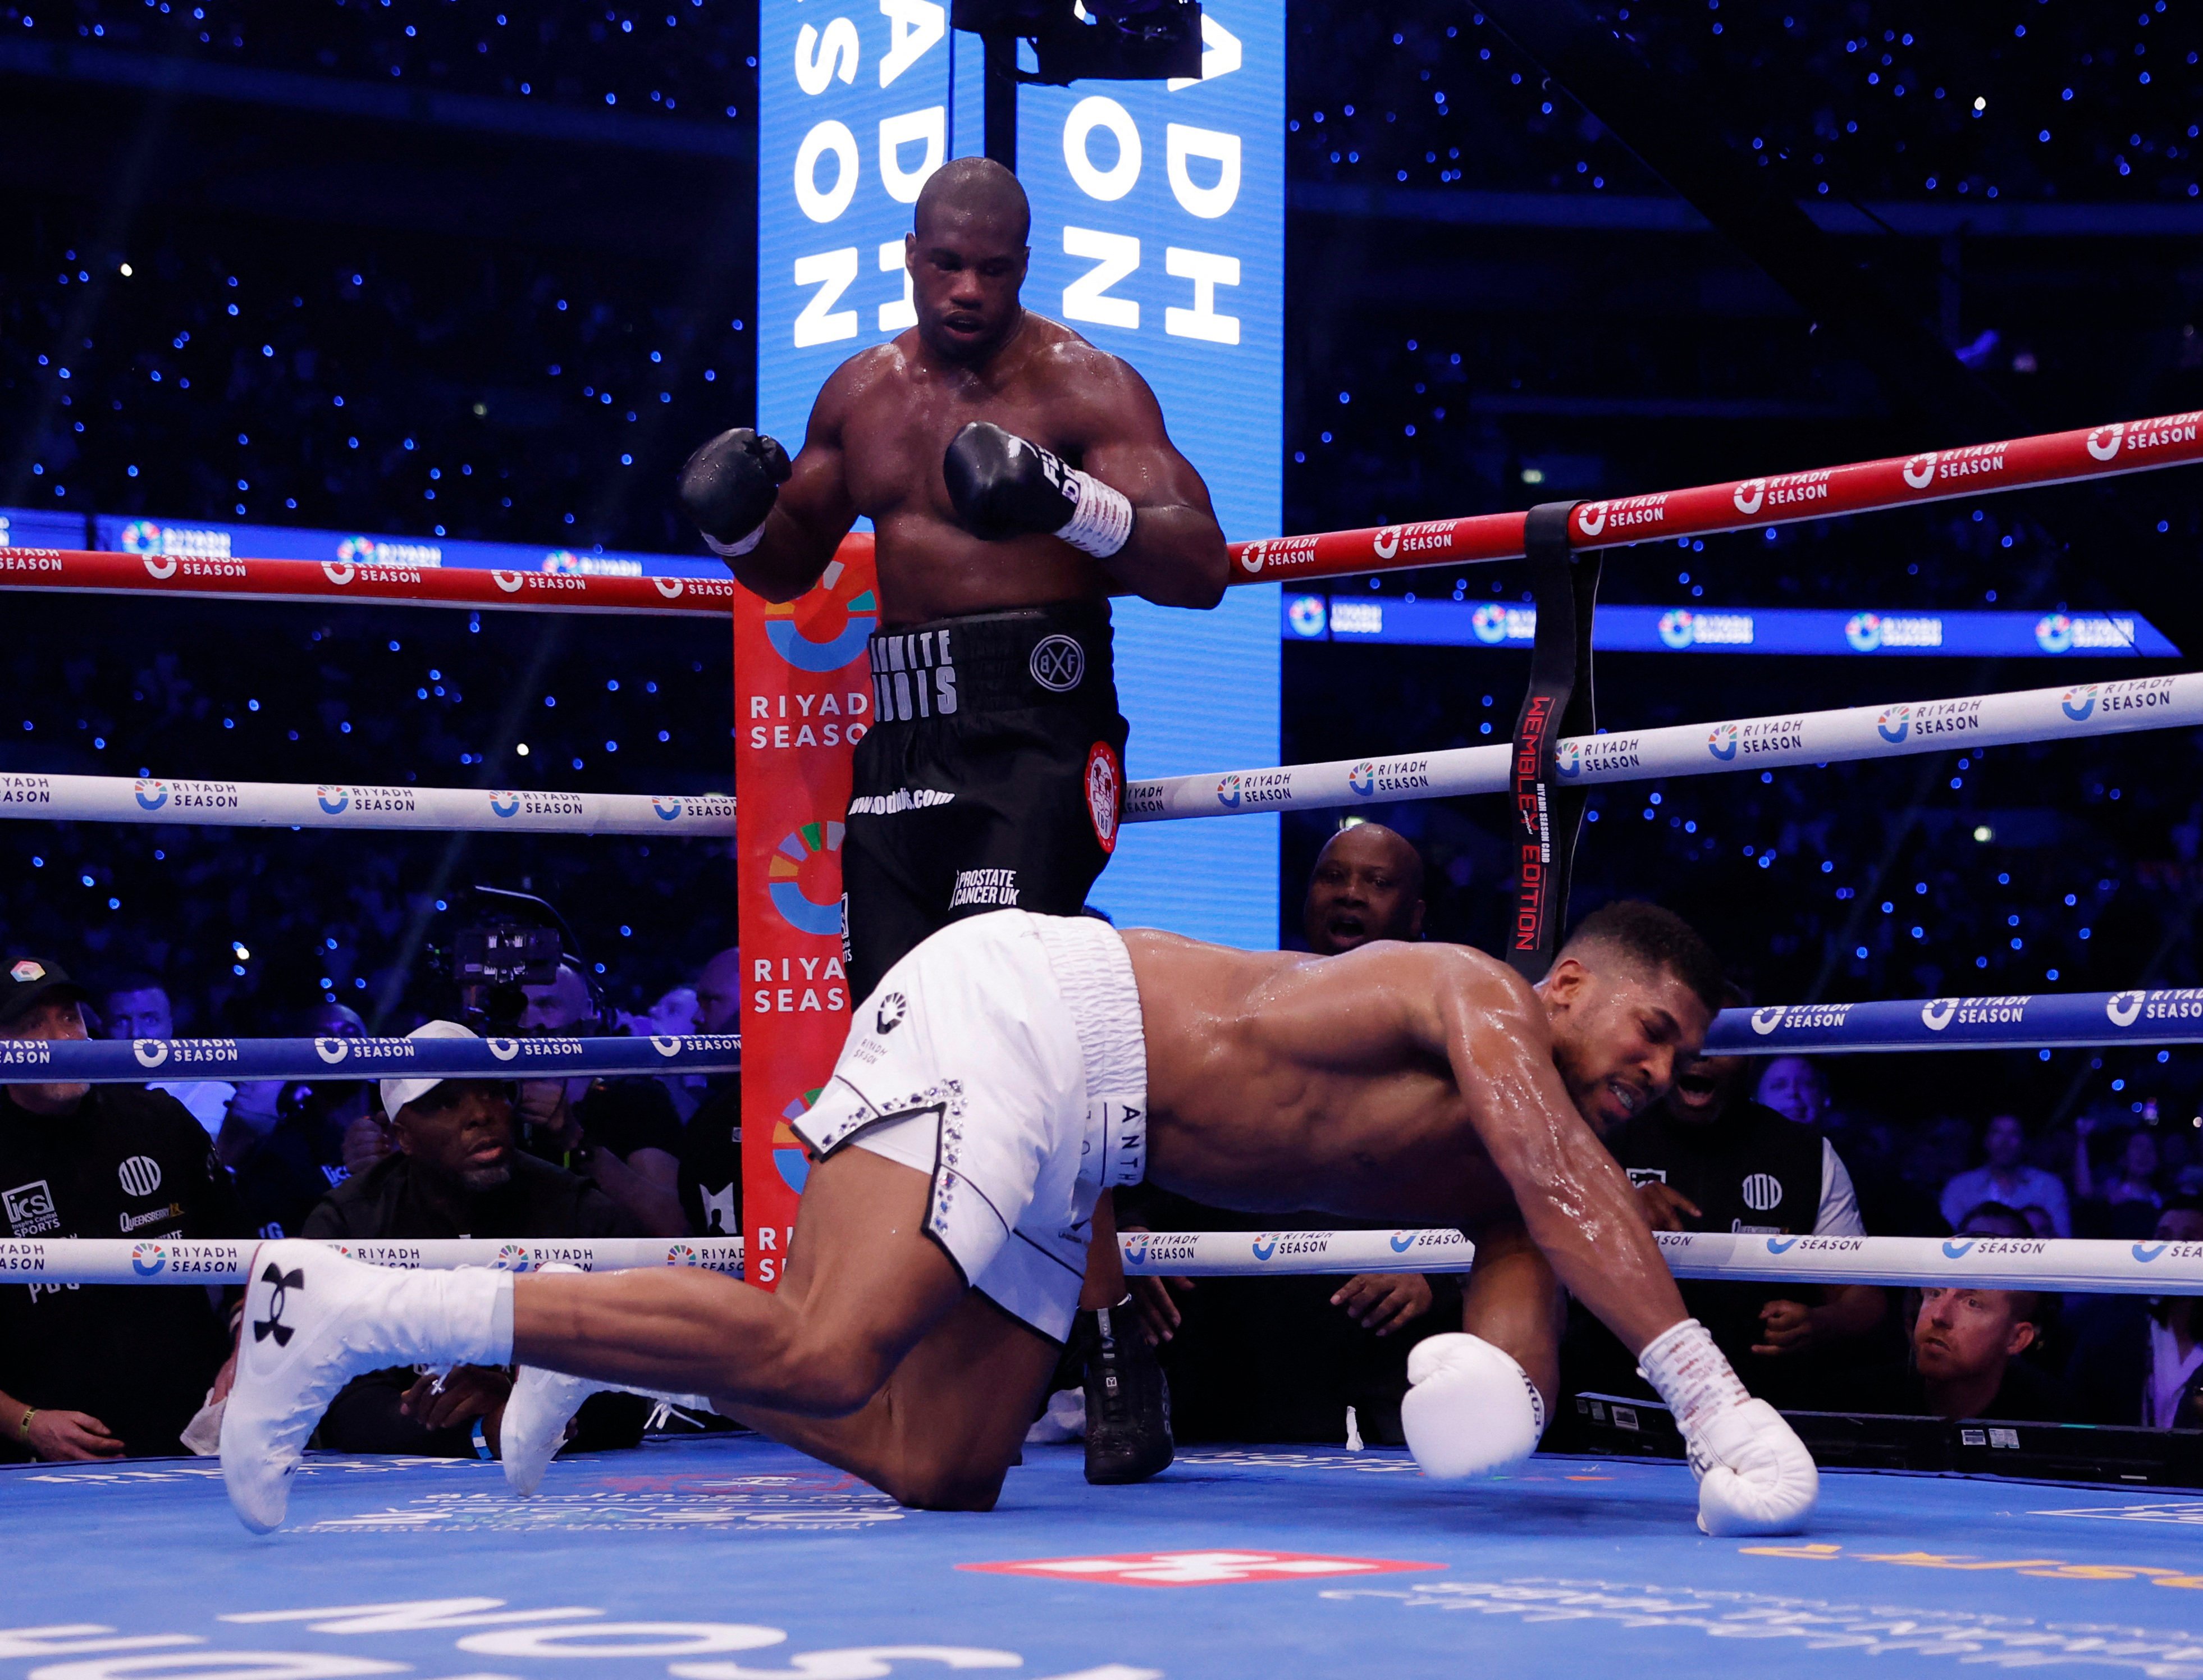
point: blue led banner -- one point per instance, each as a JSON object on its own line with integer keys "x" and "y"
{"x": 1966, "y": 633}
{"x": 2071, "y": 1019}
{"x": 1159, "y": 233}
{"x": 118, "y": 1062}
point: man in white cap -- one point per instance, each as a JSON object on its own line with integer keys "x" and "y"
{"x": 454, "y": 1173}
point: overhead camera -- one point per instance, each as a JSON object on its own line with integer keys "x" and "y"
{"x": 506, "y": 941}
{"x": 1095, "y": 40}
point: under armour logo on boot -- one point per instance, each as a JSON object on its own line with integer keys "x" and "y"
{"x": 273, "y": 1325}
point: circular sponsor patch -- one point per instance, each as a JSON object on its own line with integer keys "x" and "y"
{"x": 1105, "y": 793}
{"x": 140, "y": 1176}
{"x": 1057, "y": 663}
{"x": 1761, "y": 1191}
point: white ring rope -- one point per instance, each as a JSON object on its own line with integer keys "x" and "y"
{"x": 118, "y": 799}
{"x": 2057, "y": 1264}
{"x": 1850, "y": 733}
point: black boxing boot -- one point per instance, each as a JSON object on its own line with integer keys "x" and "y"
{"x": 728, "y": 486}
{"x": 1128, "y": 1430}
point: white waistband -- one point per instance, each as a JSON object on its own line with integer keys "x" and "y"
{"x": 1094, "y": 975}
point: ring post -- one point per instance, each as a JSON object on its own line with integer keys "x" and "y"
{"x": 1564, "y": 585}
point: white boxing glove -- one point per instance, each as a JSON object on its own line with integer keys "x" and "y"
{"x": 1469, "y": 1407}
{"x": 1755, "y": 1476}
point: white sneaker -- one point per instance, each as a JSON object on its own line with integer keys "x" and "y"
{"x": 312, "y": 1323}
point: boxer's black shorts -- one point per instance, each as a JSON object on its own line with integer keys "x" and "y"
{"x": 992, "y": 778}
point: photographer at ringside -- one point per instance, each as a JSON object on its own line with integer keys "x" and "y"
{"x": 625, "y": 1134}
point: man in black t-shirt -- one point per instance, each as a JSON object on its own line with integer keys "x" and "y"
{"x": 100, "y": 1371}
{"x": 621, "y": 1133}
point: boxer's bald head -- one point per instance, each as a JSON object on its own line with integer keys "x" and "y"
{"x": 973, "y": 189}
{"x": 966, "y": 255}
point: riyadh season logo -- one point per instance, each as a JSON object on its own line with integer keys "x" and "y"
{"x": 339, "y": 572}
{"x": 1764, "y": 1021}
{"x": 148, "y": 1259}
{"x": 505, "y": 803}
{"x": 2053, "y": 633}
{"x": 1863, "y": 631}
{"x": 1488, "y": 624}
{"x": 1567, "y": 760}
{"x": 664, "y": 1045}
{"x": 503, "y": 1049}
{"x": 335, "y": 800}
{"x": 668, "y": 808}
{"x": 2145, "y": 1252}
{"x": 1920, "y": 470}
{"x": 332, "y": 1050}
{"x": 681, "y": 1254}
{"x": 2104, "y": 441}
{"x": 1227, "y": 791}
{"x": 1676, "y": 625}
{"x": 150, "y": 1052}
{"x": 2124, "y": 1007}
{"x": 1936, "y": 1012}
{"x": 1307, "y": 615}
{"x": 1894, "y": 723}
{"x": 1362, "y": 777}
{"x": 1749, "y": 494}
{"x": 1590, "y": 517}
{"x": 1387, "y": 542}
{"x": 1958, "y": 1248}
{"x": 511, "y": 1257}
{"x": 1264, "y": 1245}
{"x": 2078, "y": 703}
{"x": 151, "y": 795}
{"x": 1136, "y": 1249}
{"x": 1401, "y": 1241}
{"x": 1722, "y": 743}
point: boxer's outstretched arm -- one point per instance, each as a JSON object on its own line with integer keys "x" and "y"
{"x": 1175, "y": 556}
{"x": 813, "y": 512}
{"x": 1575, "y": 1203}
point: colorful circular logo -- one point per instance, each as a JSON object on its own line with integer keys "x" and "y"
{"x": 1676, "y": 627}
{"x": 1863, "y": 631}
{"x": 505, "y": 803}
{"x": 826, "y": 628}
{"x": 1722, "y": 743}
{"x": 148, "y": 1259}
{"x": 1362, "y": 777}
{"x": 1568, "y": 758}
{"x": 2079, "y": 702}
{"x": 790, "y": 1159}
{"x": 1306, "y": 615}
{"x": 1489, "y": 624}
{"x": 1894, "y": 723}
{"x": 1105, "y": 794}
{"x": 1227, "y": 791}
{"x": 2053, "y": 633}
{"x": 333, "y": 800}
{"x": 512, "y": 1257}
{"x": 152, "y": 795}
{"x": 793, "y": 863}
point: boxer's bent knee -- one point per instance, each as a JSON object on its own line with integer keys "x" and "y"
{"x": 820, "y": 1379}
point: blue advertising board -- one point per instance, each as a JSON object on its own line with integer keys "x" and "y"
{"x": 1863, "y": 632}
{"x": 1158, "y": 232}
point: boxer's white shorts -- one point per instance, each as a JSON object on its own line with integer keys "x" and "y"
{"x": 1004, "y": 1058}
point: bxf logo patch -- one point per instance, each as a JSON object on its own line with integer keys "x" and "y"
{"x": 1196, "y": 1569}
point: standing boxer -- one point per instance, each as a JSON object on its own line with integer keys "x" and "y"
{"x": 1016, "y": 478}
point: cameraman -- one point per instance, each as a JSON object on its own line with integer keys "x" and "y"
{"x": 622, "y": 1134}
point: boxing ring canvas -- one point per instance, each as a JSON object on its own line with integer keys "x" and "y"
{"x": 731, "y": 1558}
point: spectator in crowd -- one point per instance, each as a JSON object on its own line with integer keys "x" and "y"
{"x": 100, "y": 1372}
{"x": 2132, "y": 1176}
{"x": 1965, "y": 1362}
{"x": 1792, "y": 1086}
{"x": 1284, "y": 1358}
{"x": 711, "y": 1142}
{"x": 621, "y": 1133}
{"x": 285, "y": 1141}
{"x": 1708, "y": 1157}
{"x": 672, "y": 1014}
{"x": 2139, "y": 1360}
{"x": 136, "y": 1005}
{"x": 2007, "y": 1178}
{"x": 456, "y": 1172}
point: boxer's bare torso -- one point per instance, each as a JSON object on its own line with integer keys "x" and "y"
{"x": 1407, "y": 1084}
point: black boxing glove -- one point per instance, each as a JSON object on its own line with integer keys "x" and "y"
{"x": 1003, "y": 486}
{"x": 729, "y": 485}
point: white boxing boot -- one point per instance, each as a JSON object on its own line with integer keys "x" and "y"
{"x": 314, "y": 1320}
